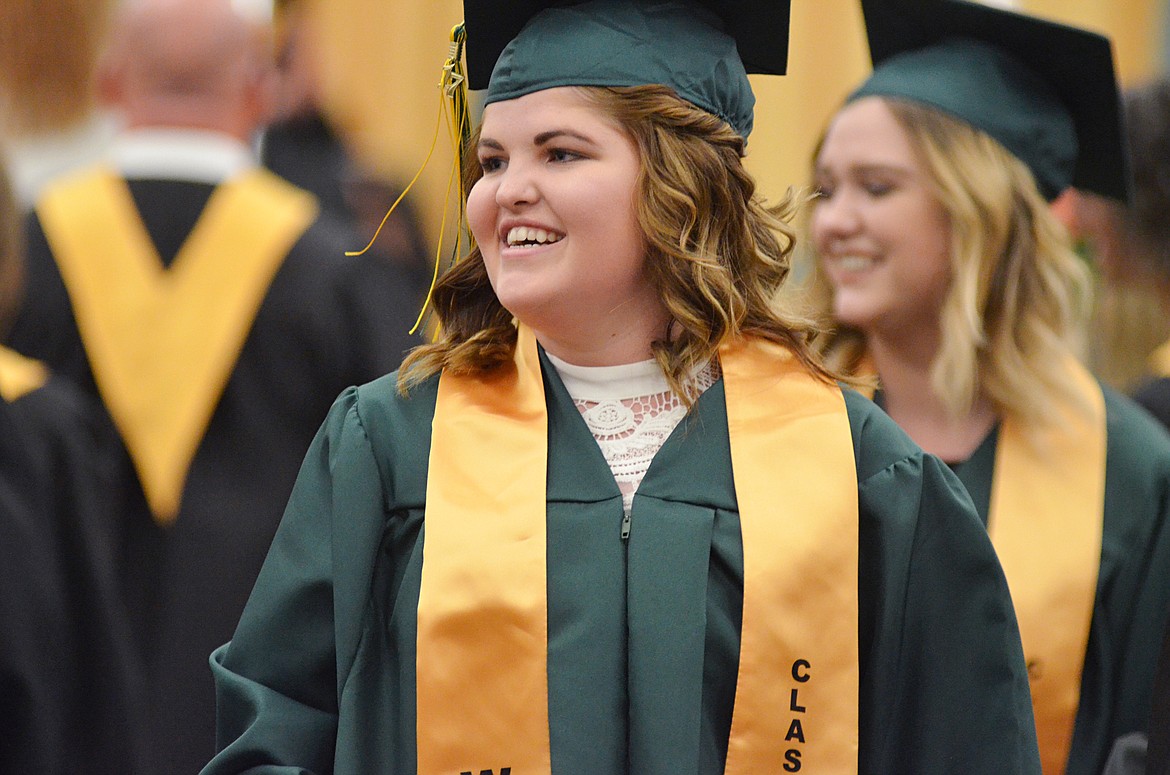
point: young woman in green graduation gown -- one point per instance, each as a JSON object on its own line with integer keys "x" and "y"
{"x": 617, "y": 519}
{"x": 951, "y": 280}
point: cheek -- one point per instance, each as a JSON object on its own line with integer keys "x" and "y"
{"x": 816, "y": 229}
{"x": 481, "y": 212}
{"x": 939, "y": 246}
{"x": 626, "y": 254}
{"x": 931, "y": 278}
{"x": 615, "y": 216}
{"x": 926, "y": 232}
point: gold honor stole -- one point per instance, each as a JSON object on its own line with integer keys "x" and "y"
{"x": 482, "y": 615}
{"x": 163, "y": 342}
{"x": 19, "y": 375}
{"x": 1052, "y": 483}
{"x": 1045, "y": 521}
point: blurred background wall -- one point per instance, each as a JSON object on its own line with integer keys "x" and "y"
{"x": 381, "y": 62}
{"x": 382, "y": 59}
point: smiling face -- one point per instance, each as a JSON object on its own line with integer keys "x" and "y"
{"x": 882, "y": 235}
{"x": 554, "y": 218}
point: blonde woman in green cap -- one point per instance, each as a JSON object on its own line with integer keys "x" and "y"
{"x": 950, "y": 280}
{"x": 617, "y": 519}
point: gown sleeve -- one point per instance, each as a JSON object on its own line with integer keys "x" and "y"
{"x": 944, "y": 685}
{"x": 278, "y": 680}
{"x": 1133, "y": 592}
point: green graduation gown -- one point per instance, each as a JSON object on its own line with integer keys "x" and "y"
{"x": 643, "y": 633}
{"x": 1133, "y": 587}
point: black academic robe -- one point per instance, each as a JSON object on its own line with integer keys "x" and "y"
{"x": 1133, "y": 588}
{"x": 305, "y": 151}
{"x": 1158, "y": 762}
{"x": 643, "y": 633}
{"x": 69, "y": 684}
{"x": 327, "y": 321}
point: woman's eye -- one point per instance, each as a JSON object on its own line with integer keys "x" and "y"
{"x": 562, "y": 154}
{"x": 878, "y": 189}
{"x": 490, "y": 164}
{"x": 822, "y": 192}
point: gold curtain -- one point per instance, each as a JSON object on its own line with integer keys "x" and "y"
{"x": 381, "y": 63}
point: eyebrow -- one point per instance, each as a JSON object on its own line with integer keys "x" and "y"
{"x": 543, "y": 138}
{"x": 546, "y": 137}
{"x": 878, "y": 167}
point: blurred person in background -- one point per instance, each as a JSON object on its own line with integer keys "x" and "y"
{"x": 300, "y": 143}
{"x": 210, "y": 306}
{"x": 1131, "y": 242}
{"x": 948, "y": 277}
{"x": 401, "y": 240}
{"x": 303, "y": 147}
{"x": 69, "y": 684}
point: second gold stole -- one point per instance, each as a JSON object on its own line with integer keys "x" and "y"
{"x": 163, "y": 342}
{"x": 1051, "y": 483}
{"x": 482, "y": 616}
{"x": 1045, "y": 520}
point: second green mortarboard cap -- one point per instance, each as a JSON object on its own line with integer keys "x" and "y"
{"x": 702, "y": 50}
{"x": 1046, "y": 91}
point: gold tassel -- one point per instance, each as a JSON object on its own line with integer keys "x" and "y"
{"x": 455, "y": 111}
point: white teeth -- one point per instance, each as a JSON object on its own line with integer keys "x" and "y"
{"x": 854, "y": 263}
{"x": 523, "y": 234}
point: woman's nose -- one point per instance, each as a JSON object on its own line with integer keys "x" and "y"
{"x": 517, "y": 187}
{"x": 834, "y": 217}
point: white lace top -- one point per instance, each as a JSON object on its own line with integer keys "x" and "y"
{"x": 630, "y": 410}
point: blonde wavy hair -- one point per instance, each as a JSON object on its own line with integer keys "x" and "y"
{"x": 1019, "y": 294}
{"x": 715, "y": 251}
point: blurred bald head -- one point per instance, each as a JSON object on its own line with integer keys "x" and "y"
{"x": 189, "y": 64}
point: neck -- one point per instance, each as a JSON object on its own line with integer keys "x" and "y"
{"x": 616, "y": 349}
{"x": 911, "y": 401}
{"x": 611, "y": 340}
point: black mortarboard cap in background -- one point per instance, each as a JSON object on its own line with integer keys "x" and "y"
{"x": 702, "y": 50}
{"x": 1046, "y": 91}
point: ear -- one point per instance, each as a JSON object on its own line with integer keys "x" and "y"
{"x": 110, "y": 81}
{"x": 262, "y": 85}
{"x": 1065, "y": 208}
{"x": 261, "y": 94}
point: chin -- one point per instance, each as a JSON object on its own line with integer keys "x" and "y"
{"x": 517, "y": 294}
{"x": 530, "y": 309}
{"x": 851, "y": 316}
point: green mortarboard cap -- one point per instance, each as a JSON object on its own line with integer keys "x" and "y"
{"x": 702, "y": 50}
{"x": 1046, "y": 91}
